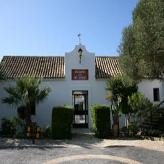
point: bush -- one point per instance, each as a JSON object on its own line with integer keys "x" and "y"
{"x": 124, "y": 132}
{"x": 20, "y": 128}
{"x": 133, "y": 129}
{"x": 153, "y": 133}
{"x": 101, "y": 121}
{"x": 8, "y": 127}
{"x": 62, "y": 119}
{"x": 13, "y": 127}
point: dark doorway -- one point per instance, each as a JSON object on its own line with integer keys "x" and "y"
{"x": 80, "y": 103}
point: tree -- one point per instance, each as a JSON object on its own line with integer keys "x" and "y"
{"x": 26, "y": 93}
{"x": 141, "y": 106}
{"x": 121, "y": 87}
{"x": 142, "y": 47}
{"x": 136, "y": 101}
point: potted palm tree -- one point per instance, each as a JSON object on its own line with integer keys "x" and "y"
{"x": 114, "y": 85}
{"x": 120, "y": 88}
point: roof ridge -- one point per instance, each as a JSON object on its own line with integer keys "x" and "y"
{"x": 31, "y": 56}
{"x": 108, "y": 56}
{"x": 22, "y": 56}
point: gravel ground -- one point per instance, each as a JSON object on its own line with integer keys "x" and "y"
{"x": 81, "y": 150}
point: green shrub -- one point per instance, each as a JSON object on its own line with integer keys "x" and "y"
{"x": 124, "y": 132}
{"x": 153, "y": 133}
{"x": 8, "y": 127}
{"x": 133, "y": 129}
{"x": 13, "y": 127}
{"x": 62, "y": 119}
{"x": 101, "y": 121}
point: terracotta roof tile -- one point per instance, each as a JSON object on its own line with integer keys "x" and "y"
{"x": 45, "y": 67}
{"x": 107, "y": 67}
{"x": 53, "y": 67}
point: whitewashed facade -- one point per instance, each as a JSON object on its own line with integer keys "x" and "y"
{"x": 68, "y": 91}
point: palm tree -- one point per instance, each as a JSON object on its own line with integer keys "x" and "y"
{"x": 114, "y": 85}
{"x": 26, "y": 94}
{"x": 120, "y": 87}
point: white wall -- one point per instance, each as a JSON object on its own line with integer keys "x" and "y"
{"x": 146, "y": 87}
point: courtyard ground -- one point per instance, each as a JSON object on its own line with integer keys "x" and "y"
{"x": 81, "y": 149}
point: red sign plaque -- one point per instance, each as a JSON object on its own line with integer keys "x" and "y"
{"x": 79, "y": 74}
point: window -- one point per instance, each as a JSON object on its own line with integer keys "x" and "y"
{"x": 156, "y": 94}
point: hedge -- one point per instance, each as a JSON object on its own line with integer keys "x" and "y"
{"x": 62, "y": 119}
{"x": 101, "y": 123}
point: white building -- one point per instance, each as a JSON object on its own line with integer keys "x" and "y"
{"x": 77, "y": 79}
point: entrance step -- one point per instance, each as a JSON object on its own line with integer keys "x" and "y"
{"x": 83, "y": 133}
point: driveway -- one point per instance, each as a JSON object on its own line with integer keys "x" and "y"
{"x": 79, "y": 150}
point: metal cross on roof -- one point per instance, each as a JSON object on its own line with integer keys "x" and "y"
{"x": 79, "y": 36}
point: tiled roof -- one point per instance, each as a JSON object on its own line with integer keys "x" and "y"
{"x": 107, "y": 67}
{"x": 52, "y": 67}
{"x": 45, "y": 67}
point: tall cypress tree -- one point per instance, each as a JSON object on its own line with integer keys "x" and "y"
{"x": 142, "y": 47}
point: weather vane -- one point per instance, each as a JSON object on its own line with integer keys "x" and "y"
{"x": 79, "y": 36}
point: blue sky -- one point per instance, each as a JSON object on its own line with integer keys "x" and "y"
{"x": 50, "y": 27}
